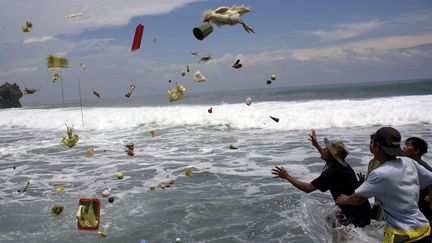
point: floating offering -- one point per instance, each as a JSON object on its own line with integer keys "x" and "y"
{"x": 227, "y": 16}
{"x": 274, "y": 119}
{"x": 183, "y": 73}
{"x": 106, "y": 192}
{"x": 89, "y": 153}
{"x": 176, "y": 93}
{"x": 111, "y": 199}
{"x": 237, "y": 64}
{"x": 25, "y": 188}
{"x": 199, "y": 77}
{"x": 88, "y": 214}
{"x": 248, "y": 101}
{"x": 152, "y": 134}
{"x": 137, "y": 38}
{"x": 129, "y": 148}
{"x": 55, "y": 77}
{"x": 152, "y": 187}
{"x": 27, "y": 27}
{"x": 119, "y": 175}
{"x": 188, "y": 172}
{"x": 232, "y": 147}
{"x": 178, "y": 239}
{"x": 210, "y": 110}
{"x": 59, "y": 188}
{"x": 273, "y": 77}
{"x": 269, "y": 81}
{"x": 171, "y": 182}
{"x": 71, "y": 139}
{"x": 130, "y": 152}
{"x": 57, "y": 209}
{"x": 102, "y": 234}
{"x": 130, "y": 90}
{"x": 130, "y": 145}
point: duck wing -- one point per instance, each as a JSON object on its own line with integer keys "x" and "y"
{"x": 222, "y": 10}
{"x": 240, "y": 9}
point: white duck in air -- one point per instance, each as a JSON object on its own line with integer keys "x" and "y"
{"x": 227, "y": 16}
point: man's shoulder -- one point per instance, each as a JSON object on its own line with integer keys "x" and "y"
{"x": 390, "y": 168}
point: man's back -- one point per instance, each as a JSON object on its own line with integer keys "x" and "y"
{"x": 342, "y": 180}
{"x": 396, "y": 183}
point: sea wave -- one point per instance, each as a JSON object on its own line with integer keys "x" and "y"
{"x": 293, "y": 115}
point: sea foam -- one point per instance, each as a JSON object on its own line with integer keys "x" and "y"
{"x": 293, "y": 115}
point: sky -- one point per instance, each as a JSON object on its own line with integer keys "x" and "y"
{"x": 301, "y": 42}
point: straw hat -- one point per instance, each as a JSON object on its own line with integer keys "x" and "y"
{"x": 338, "y": 150}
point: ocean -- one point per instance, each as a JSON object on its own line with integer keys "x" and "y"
{"x": 231, "y": 195}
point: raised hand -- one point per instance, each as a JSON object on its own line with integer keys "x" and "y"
{"x": 313, "y": 139}
{"x": 280, "y": 172}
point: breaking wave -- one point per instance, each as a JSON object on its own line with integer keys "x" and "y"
{"x": 293, "y": 115}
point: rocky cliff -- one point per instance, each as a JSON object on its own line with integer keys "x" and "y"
{"x": 10, "y": 95}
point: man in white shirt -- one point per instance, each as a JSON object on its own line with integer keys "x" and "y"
{"x": 396, "y": 183}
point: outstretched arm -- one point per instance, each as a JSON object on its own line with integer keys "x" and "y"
{"x": 313, "y": 139}
{"x": 353, "y": 199}
{"x": 282, "y": 173}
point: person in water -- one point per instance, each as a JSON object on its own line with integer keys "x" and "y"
{"x": 338, "y": 177}
{"x": 415, "y": 148}
{"x": 396, "y": 183}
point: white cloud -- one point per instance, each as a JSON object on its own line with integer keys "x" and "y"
{"x": 393, "y": 42}
{"x": 385, "y": 43}
{"x": 349, "y": 30}
{"x": 414, "y": 17}
{"x": 345, "y": 31}
{"x": 18, "y": 71}
{"x": 48, "y": 16}
{"x": 37, "y": 39}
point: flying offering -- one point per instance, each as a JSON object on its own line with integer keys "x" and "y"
{"x": 199, "y": 77}
{"x": 274, "y": 119}
{"x": 176, "y": 93}
{"x": 130, "y": 90}
{"x": 227, "y": 16}
{"x": 237, "y": 64}
{"x": 27, "y": 27}
{"x": 136, "y": 44}
{"x": 96, "y": 93}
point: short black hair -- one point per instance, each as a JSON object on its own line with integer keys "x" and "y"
{"x": 419, "y": 144}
